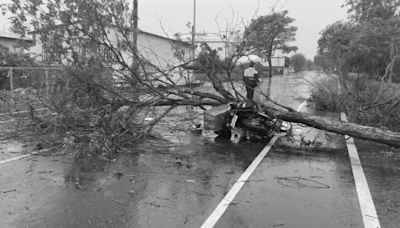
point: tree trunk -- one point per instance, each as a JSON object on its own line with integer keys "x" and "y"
{"x": 270, "y": 65}
{"x": 387, "y": 137}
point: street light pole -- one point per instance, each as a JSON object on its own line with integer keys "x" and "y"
{"x": 135, "y": 26}
{"x": 194, "y": 23}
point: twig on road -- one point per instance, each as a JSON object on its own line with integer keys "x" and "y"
{"x": 32, "y": 165}
{"x": 297, "y": 180}
{"x": 45, "y": 172}
{"x": 32, "y": 158}
{"x": 153, "y": 204}
{"x": 118, "y": 202}
{"x": 253, "y": 180}
{"x": 233, "y": 203}
{"x": 221, "y": 186}
{"x": 202, "y": 194}
{"x": 7, "y": 191}
{"x": 187, "y": 218}
{"x": 162, "y": 198}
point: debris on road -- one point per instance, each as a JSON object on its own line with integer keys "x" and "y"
{"x": 153, "y": 204}
{"x": 118, "y": 175}
{"x": 118, "y": 202}
{"x": 8, "y": 191}
{"x": 300, "y": 182}
{"x": 202, "y": 194}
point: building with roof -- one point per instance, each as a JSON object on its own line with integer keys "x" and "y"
{"x": 165, "y": 54}
{"x": 14, "y": 43}
{"x": 162, "y": 52}
{"x": 216, "y": 41}
{"x": 279, "y": 64}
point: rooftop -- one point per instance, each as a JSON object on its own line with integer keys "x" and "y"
{"x": 183, "y": 42}
{"x": 8, "y": 35}
{"x": 205, "y": 37}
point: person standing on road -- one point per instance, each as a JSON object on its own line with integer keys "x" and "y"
{"x": 251, "y": 80}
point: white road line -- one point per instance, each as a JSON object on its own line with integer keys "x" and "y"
{"x": 13, "y": 159}
{"x": 223, "y": 205}
{"x": 368, "y": 211}
{"x": 302, "y": 105}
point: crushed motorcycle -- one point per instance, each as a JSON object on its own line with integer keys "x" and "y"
{"x": 244, "y": 121}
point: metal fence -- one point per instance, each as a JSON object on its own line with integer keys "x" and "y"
{"x": 12, "y": 78}
{"x": 23, "y": 86}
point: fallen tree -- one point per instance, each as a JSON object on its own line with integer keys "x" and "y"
{"x": 93, "y": 35}
{"x": 387, "y": 137}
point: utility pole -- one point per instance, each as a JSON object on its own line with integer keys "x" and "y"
{"x": 194, "y": 23}
{"x": 135, "y": 28}
{"x": 135, "y": 54}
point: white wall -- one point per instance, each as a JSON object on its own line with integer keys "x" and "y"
{"x": 214, "y": 41}
{"x": 160, "y": 52}
{"x": 157, "y": 50}
{"x": 275, "y": 61}
{"x": 11, "y": 44}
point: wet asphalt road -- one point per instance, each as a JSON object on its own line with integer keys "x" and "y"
{"x": 289, "y": 190}
{"x": 382, "y": 169}
{"x": 146, "y": 189}
{"x": 178, "y": 181}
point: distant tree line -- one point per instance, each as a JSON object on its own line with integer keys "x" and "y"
{"x": 299, "y": 63}
{"x": 368, "y": 43}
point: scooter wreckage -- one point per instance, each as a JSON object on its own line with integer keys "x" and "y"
{"x": 243, "y": 121}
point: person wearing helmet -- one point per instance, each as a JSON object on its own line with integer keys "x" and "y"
{"x": 251, "y": 80}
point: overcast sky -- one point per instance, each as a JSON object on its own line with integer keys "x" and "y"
{"x": 167, "y": 17}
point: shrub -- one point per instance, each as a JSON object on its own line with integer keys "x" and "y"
{"x": 368, "y": 103}
{"x": 325, "y": 95}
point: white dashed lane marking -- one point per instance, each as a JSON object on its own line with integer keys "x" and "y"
{"x": 223, "y": 205}
{"x": 14, "y": 159}
{"x": 368, "y": 211}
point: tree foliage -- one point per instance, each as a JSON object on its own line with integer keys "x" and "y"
{"x": 310, "y": 65}
{"x": 94, "y": 40}
{"x": 270, "y": 33}
{"x": 11, "y": 59}
{"x": 298, "y": 62}
{"x": 323, "y": 62}
{"x": 370, "y": 47}
{"x": 365, "y": 10}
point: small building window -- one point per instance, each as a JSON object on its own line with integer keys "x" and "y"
{"x": 220, "y": 49}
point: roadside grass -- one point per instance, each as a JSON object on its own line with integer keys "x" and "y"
{"x": 367, "y": 102}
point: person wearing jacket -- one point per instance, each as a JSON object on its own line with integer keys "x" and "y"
{"x": 251, "y": 80}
